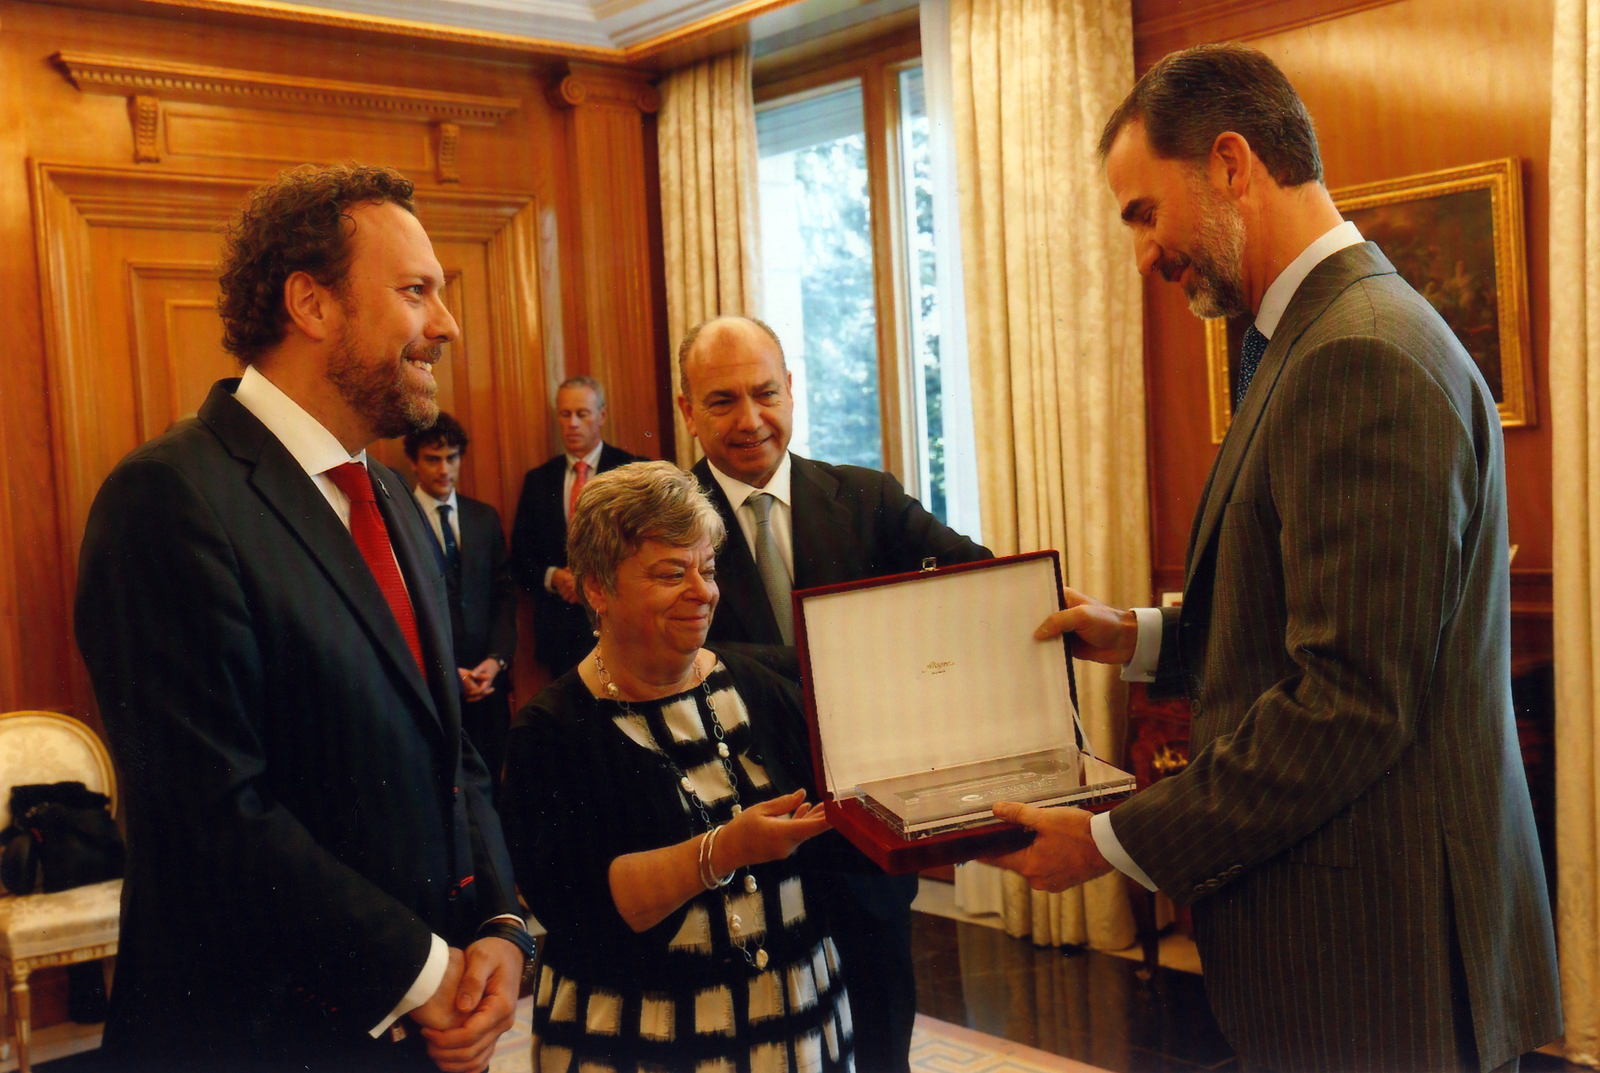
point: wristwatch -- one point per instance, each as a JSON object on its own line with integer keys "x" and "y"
{"x": 511, "y": 933}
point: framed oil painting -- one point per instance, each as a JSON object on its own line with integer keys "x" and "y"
{"x": 1456, "y": 236}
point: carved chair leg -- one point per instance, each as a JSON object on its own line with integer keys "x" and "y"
{"x": 21, "y": 1013}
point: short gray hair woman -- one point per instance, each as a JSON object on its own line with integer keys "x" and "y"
{"x": 621, "y": 509}
{"x": 653, "y": 805}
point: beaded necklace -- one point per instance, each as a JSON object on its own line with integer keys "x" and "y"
{"x": 758, "y": 959}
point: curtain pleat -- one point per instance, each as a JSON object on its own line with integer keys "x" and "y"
{"x": 706, "y": 133}
{"x": 1056, "y": 343}
{"x": 1574, "y": 424}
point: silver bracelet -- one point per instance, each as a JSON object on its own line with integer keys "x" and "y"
{"x": 703, "y": 854}
{"x": 708, "y": 874}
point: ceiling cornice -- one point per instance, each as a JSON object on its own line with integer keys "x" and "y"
{"x": 614, "y": 32}
{"x": 122, "y": 75}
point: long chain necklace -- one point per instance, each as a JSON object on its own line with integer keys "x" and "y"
{"x": 757, "y": 959}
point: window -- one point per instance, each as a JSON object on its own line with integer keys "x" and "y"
{"x": 848, "y": 262}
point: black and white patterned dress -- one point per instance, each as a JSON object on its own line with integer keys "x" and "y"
{"x": 590, "y": 780}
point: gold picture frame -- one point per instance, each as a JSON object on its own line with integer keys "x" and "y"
{"x": 1457, "y": 237}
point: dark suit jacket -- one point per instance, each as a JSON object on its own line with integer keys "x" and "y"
{"x": 487, "y": 595}
{"x": 562, "y": 633}
{"x": 1356, "y": 804}
{"x": 302, "y": 809}
{"x": 849, "y": 523}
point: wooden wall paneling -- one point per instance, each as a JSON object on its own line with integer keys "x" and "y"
{"x": 175, "y": 338}
{"x": 98, "y": 226}
{"x": 605, "y": 128}
{"x": 27, "y": 517}
{"x": 95, "y": 422}
{"x": 196, "y": 133}
{"x": 499, "y": 386}
{"x": 1385, "y": 85}
{"x": 1163, "y": 26}
{"x": 522, "y": 403}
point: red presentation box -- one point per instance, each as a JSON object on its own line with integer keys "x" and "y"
{"x": 929, "y": 700}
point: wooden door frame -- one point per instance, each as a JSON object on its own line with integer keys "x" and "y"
{"x": 70, "y": 200}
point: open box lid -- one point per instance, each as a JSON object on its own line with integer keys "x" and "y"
{"x": 921, "y": 672}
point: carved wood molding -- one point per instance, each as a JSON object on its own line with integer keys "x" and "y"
{"x": 580, "y": 88}
{"x": 126, "y": 76}
{"x": 448, "y": 136}
{"x": 145, "y": 113}
{"x": 74, "y": 200}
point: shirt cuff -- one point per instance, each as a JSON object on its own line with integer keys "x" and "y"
{"x": 549, "y": 573}
{"x": 1105, "y": 840}
{"x": 422, "y": 989}
{"x": 1147, "y": 650}
{"x": 509, "y": 918}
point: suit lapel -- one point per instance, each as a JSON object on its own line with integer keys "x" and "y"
{"x": 1325, "y": 283}
{"x": 820, "y": 526}
{"x": 433, "y": 541}
{"x": 295, "y": 498}
{"x": 426, "y": 586}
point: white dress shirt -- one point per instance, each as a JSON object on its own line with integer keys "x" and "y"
{"x": 781, "y": 518}
{"x": 430, "y": 511}
{"x": 1147, "y": 652}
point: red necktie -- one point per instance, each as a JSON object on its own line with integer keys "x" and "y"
{"x": 581, "y": 469}
{"x": 372, "y": 539}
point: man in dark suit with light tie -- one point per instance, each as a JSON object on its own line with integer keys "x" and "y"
{"x": 562, "y": 634}
{"x": 471, "y": 549}
{"x": 312, "y": 854}
{"x": 1353, "y": 831}
{"x": 796, "y": 523}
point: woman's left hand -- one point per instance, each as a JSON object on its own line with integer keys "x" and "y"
{"x": 769, "y": 831}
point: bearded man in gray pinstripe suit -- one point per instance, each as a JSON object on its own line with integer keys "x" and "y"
{"x": 1353, "y": 832}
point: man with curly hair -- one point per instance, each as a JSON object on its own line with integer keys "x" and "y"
{"x": 316, "y": 878}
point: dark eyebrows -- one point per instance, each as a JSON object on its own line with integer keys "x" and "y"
{"x": 725, "y": 394}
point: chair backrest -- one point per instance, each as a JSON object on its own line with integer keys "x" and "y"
{"x": 49, "y": 747}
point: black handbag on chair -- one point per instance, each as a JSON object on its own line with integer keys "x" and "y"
{"x": 62, "y": 836}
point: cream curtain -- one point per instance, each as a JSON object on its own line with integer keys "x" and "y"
{"x": 707, "y": 137}
{"x": 1055, "y": 337}
{"x": 1575, "y": 463}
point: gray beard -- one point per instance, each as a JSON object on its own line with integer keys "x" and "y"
{"x": 1218, "y": 261}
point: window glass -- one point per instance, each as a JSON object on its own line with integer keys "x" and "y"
{"x": 926, "y": 380}
{"x": 816, "y": 252}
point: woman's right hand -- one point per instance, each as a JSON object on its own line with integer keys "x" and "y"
{"x": 769, "y": 831}
{"x": 649, "y": 885}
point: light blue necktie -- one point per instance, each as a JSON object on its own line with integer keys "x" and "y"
{"x": 769, "y": 564}
{"x": 1250, "y": 351}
